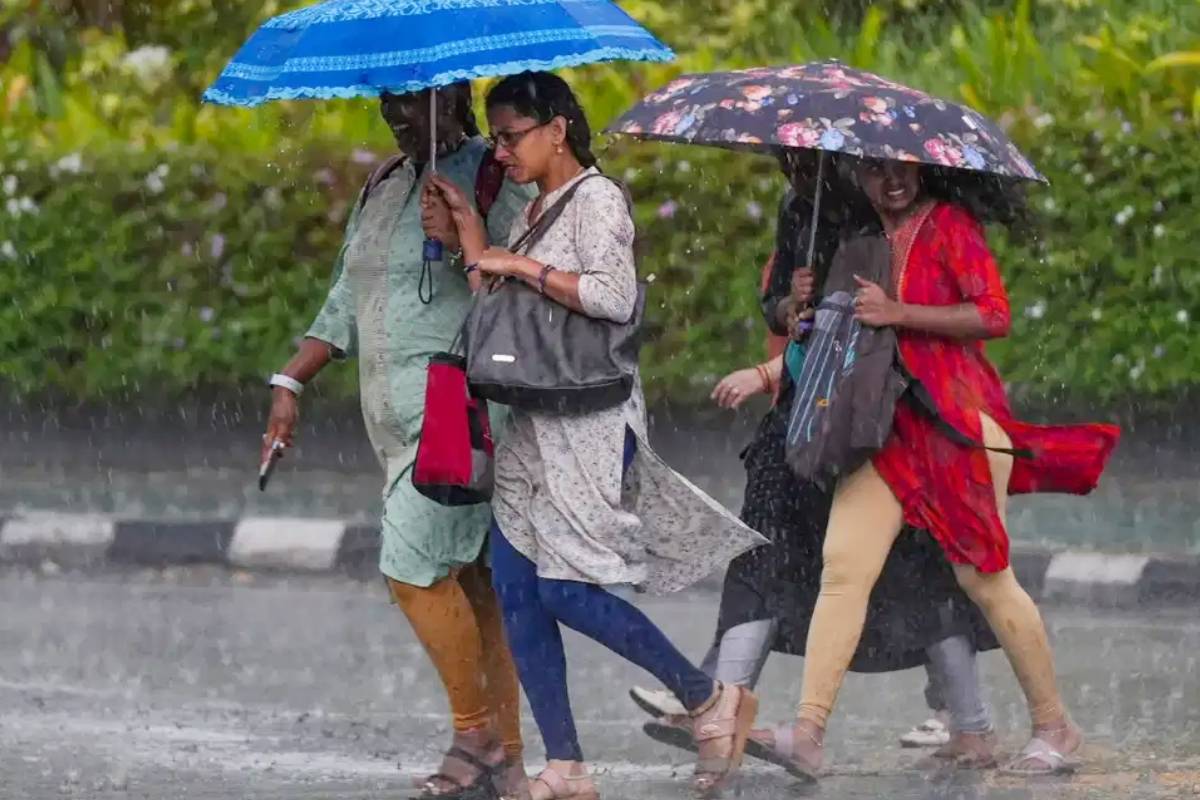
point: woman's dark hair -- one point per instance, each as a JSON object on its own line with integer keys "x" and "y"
{"x": 544, "y": 96}
{"x": 839, "y": 193}
{"x": 989, "y": 198}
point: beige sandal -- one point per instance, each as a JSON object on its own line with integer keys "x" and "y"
{"x": 561, "y": 787}
{"x": 778, "y": 746}
{"x": 715, "y": 722}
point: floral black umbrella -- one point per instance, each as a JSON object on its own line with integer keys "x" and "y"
{"x": 829, "y": 107}
{"x": 824, "y": 106}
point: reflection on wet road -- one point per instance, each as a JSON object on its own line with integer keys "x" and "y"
{"x": 201, "y": 684}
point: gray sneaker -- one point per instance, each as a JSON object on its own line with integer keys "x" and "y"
{"x": 657, "y": 702}
{"x": 930, "y": 733}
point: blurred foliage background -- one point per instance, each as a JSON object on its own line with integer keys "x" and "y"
{"x": 151, "y": 246}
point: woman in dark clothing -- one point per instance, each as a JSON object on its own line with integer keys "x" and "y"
{"x": 844, "y": 210}
{"x": 769, "y": 594}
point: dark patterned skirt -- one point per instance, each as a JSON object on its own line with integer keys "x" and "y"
{"x": 916, "y": 603}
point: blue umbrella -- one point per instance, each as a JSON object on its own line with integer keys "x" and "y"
{"x": 361, "y": 48}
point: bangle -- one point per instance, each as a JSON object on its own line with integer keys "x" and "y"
{"x": 546, "y": 270}
{"x": 764, "y": 374}
{"x": 287, "y": 382}
{"x": 469, "y": 268}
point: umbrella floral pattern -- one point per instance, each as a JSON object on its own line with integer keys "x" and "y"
{"x": 825, "y": 106}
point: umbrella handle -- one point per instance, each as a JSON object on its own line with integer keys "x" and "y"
{"x": 431, "y": 249}
{"x": 816, "y": 214}
{"x": 805, "y": 326}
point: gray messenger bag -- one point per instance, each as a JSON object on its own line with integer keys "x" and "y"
{"x": 526, "y": 351}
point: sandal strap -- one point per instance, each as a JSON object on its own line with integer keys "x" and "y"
{"x": 1041, "y": 749}
{"x": 434, "y": 784}
{"x": 713, "y": 766}
{"x": 785, "y": 740}
{"x": 714, "y": 729}
{"x": 471, "y": 759}
{"x": 560, "y": 784}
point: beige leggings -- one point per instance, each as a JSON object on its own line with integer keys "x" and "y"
{"x": 864, "y": 522}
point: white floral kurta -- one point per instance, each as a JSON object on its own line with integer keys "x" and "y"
{"x": 560, "y": 499}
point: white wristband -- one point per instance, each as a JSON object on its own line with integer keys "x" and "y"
{"x": 291, "y": 384}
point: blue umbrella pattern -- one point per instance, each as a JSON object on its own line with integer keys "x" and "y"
{"x": 362, "y": 48}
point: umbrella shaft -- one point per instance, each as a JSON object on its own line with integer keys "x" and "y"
{"x": 816, "y": 213}
{"x": 433, "y": 130}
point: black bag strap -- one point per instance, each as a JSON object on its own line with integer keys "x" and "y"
{"x": 920, "y": 398}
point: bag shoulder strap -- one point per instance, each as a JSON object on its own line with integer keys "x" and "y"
{"x": 867, "y": 255}
{"x": 919, "y": 396}
{"x": 489, "y": 179}
{"x": 550, "y": 215}
{"x": 378, "y": 176}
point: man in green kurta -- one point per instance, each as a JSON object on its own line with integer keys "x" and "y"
{"x": 375, "y": 312}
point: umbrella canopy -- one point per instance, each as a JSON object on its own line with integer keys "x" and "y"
{"x": 824, "y": 106}
{"x": 362, "y": 48}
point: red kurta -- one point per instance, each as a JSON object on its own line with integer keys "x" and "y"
{"x": 946, "y": 488}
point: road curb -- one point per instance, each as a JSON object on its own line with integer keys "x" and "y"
{"x": 306, "y": 545}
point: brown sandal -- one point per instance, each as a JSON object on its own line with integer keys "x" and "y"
{"x": 729, "y": 715}
{"x": 447, "y": 787}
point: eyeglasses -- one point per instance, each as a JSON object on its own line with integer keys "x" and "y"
{"x": 509, "y": 140}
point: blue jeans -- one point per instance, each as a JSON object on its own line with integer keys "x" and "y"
{"x": 534, "y": 607}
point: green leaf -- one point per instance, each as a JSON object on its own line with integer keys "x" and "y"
{"x": 49, "y": 93}
{"x": 1178, "y": 59}
{"x": 868, "y": 38}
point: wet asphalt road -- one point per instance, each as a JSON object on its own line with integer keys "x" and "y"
{"x": 201, "y": 684}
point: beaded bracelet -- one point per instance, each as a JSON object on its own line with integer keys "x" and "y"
{"x": 546, "y": 270}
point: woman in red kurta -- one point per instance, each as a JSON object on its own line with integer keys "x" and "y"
{"x": 947, "y": 299}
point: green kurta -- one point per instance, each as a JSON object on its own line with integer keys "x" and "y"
{"x": 373, "y": 312}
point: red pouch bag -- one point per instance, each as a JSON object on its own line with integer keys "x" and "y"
{"x": 455, "y": 454}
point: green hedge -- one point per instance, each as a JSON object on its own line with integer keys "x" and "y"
{"x": 149, "y": 246}
{"x": 1107, "y": 299}
{"x": 131, "y": 272}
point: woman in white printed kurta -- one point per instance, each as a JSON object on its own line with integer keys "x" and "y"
{"x": 558, "y": 477}
{"x": 566, "y": 521}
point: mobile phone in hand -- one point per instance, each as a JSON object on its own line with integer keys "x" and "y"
{"x": 268, "y": 466}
